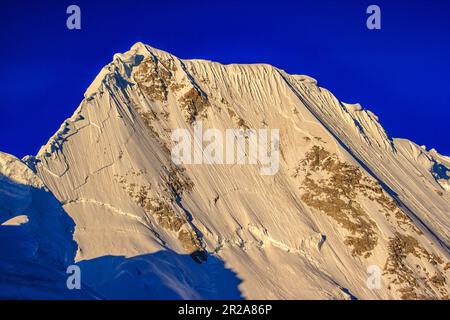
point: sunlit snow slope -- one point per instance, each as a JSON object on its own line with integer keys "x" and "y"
{"x": 347, "y": 196}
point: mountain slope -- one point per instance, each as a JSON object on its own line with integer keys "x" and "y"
{"x": 346, "y": 195}
{"x": 35, "y": 236}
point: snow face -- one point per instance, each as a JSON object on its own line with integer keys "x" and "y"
{"x": 345, "y": 199}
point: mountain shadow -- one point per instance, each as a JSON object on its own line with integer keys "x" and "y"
{"x": 161, "y": 275}
{"x": 36, "y": 244}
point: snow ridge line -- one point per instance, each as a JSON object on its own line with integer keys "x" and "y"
{"x": 108, "y": 206}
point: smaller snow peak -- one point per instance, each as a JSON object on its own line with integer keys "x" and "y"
{"x": 14, "y": 170}
{"x": 356, "y": 107}
{"x": 304, "y": 78}
{"x": 352, "y": 107}
{"x": 434, "y": 153}
{"x": 4, "y": 157}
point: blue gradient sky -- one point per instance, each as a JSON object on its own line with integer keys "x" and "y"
{"x": 401, "y": 72}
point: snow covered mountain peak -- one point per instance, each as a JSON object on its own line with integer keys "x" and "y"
{"x": 13, "y": 169}
{"x": 347, "y": 196}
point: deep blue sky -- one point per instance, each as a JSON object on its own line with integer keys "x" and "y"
{"x": 401, "y": 72}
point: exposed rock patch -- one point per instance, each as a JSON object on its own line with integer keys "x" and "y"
{"x": 335, "y": 193}
{"x": 414, "y": 283}
{"x": 193, "y": 104}
{"x": 161, "y": 209}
